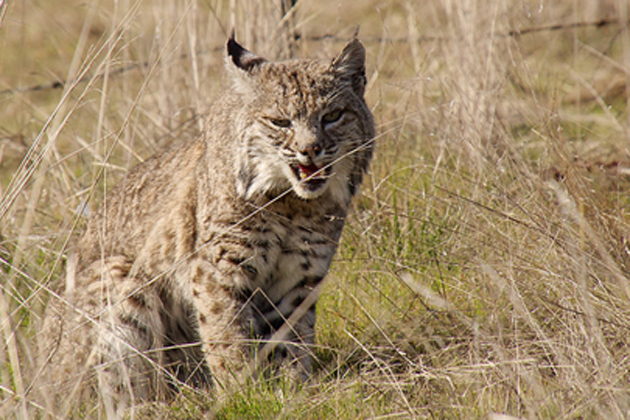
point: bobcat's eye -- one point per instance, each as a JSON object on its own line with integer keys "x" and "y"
{"x": 332, "y": 117}
{"x": 280, "y": 122}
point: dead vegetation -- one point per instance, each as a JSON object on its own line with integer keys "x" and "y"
{"x": 484, "y": 270}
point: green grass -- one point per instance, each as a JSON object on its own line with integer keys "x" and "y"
{"x": 484, "y": 267}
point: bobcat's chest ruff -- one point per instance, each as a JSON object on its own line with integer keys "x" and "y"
{"x": 280, "y": 248}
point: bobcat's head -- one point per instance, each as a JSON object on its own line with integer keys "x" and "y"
{"x": 303, "y": 123}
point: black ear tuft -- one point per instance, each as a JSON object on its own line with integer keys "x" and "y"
{"x": 242, "y": 58}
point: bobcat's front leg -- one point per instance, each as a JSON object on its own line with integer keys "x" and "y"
{"x": 223, "y": 323}
{"x": 290, "y": 332}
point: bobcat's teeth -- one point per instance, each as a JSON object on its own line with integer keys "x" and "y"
{"x": 303, "y": 175}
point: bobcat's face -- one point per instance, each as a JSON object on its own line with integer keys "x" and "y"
{"x": 309, "y": 148}
{"x": 307, "y": 127}
{"x": 310, "y": 136}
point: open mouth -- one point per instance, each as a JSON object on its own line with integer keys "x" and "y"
{"x": 312, "y": 176}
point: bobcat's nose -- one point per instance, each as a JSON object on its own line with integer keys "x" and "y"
{"x": 310, "y": 150}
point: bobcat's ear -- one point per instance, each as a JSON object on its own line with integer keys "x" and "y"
{"x": 240, "y": 57}
{"x": 349, "y": 64}
{"x": 240, "y": 64}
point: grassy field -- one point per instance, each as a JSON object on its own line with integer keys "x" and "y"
{"x": 484, "y": 270}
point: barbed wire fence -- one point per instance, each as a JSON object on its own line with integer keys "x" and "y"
{"x": 513, "y": 33}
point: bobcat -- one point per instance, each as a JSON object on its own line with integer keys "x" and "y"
{"x": 203, "y": 252}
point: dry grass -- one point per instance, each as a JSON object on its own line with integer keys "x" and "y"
{"x": 484, "y": 269}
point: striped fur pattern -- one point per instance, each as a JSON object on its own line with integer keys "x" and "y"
{"x": 201, "y": 253}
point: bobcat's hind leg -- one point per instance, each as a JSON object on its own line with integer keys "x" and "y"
{"x": 129, "y": 338}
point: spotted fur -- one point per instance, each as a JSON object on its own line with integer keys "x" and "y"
{"x": 201, "y": 253}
